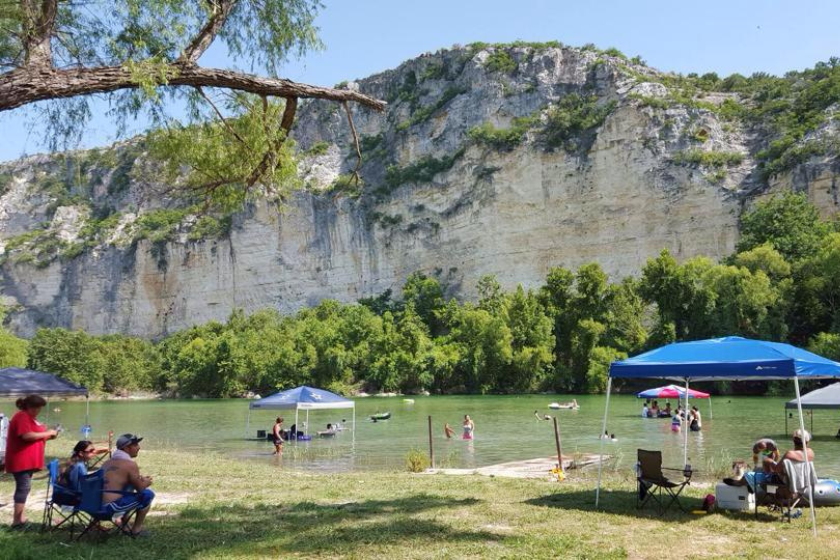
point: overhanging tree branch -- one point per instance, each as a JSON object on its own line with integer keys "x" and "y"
{"x": 21, "y": 87}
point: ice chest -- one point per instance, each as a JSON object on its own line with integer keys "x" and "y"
{"x": 734, "y": 497}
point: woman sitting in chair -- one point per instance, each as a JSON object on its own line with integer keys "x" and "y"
{"x": 77, "y": 466}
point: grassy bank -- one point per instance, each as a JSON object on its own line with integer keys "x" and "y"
{"x": 213, "y": 507}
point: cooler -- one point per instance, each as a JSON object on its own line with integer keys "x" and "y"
{"x": 734, "y": 497}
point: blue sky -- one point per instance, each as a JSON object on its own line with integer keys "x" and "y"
{"x": 366, "y": 36}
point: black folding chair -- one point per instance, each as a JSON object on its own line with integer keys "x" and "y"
{"x": 654, "y": 486}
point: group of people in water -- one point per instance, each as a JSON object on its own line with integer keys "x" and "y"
{"x": 468, "y": 426}
{"x": 125, "y": 490}
{"x": 694, "y": 420}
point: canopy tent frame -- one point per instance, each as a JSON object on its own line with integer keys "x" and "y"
{"x": 302, "y": 398}
{"x": 824, "y": 398}
{"x": 738, "y": 359}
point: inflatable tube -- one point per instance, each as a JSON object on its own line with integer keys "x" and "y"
{"x": 381, "y": 416}
{"x": 827, "y": 493}
{"x": 554, "y": 406}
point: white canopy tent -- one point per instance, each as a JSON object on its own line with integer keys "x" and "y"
{"x": 302, "y": 398}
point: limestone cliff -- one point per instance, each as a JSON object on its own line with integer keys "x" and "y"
{"x": 489, "y": 160}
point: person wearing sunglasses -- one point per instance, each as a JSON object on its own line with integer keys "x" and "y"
{"x": 77, "y": 466}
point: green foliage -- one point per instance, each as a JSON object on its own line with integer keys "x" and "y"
{"x": 650, "y": 101}
{"x": 500, "y": 61}
{"x": 707, "y": 158}
{"x": 346, "y": 184}
{"x": 612, "y": 51}
{"x": 416, "y": 461}
{"x": 573, "y": 116}
{"x": 210, "y": 227}
{"x": 13, "y": 350}
{"x": 503, "y": 138}
{"x": 318, "y": 149}
{"x": 424, "y": 113}
{"x": 227, "y": 155}
{"x": 790, "y": 223}
{"x": 421, "y": 171}
{"x": 159, "y": 225}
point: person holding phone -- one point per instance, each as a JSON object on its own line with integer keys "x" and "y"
{"x": 25, "y": 451}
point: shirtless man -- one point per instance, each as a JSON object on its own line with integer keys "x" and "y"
{"x": 123, "y": 474}
{"x": 795, "y": 454}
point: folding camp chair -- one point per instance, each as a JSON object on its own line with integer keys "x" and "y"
{"x": 654, "y": 486}
{"x": 92, "y": 488}
{"x": 789, "y": 491}
{"x": 61, "y": 503}
{"x": 100, "y": 457}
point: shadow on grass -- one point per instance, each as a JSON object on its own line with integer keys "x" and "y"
{"x": 618, "y": 502}
{"x": 265, "y": 530}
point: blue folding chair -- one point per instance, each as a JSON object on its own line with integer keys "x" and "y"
{"x": 61, "y": 503}
{"x": 92, "y": 488}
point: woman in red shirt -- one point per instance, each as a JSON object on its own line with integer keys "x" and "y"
{"x": 25, "y": 450}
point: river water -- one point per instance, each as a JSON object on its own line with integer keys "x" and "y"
{"x": 506, "y": 430}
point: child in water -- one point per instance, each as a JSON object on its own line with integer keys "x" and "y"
{"x": 447, "y": 429}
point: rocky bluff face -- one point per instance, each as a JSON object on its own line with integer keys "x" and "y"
{"x": 503, "y": 160}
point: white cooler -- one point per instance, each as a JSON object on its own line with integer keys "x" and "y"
{"x": 734, "y": 497}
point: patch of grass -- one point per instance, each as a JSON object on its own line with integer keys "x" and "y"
{"x": 703, "y": 158}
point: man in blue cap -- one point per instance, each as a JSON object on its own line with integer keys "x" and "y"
{"x": 121, "y": 475}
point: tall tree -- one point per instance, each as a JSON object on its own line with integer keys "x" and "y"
{"x": 144, "y": 54}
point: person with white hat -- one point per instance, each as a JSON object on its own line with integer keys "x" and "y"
{"x": 800, "y": 438}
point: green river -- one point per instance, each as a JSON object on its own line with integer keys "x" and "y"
{"x": 506, "y": 430}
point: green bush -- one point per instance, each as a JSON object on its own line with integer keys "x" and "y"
{"x": 318, "y": 149}
{"x": 421, "y": 171}
{"x": 346, "y": 184}
{"x": 210, "y": 227}
{"x": 707, "y": 159}
{"x": 503, "y": 138}
{"x": 574, "y": 115}
{"x": 500, "y": 61}
{"x": 416, "y": 461}
{"x": 159, "y": 225}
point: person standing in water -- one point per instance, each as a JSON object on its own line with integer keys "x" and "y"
{"x": 277, "y": 435}
{"x": 469, "y": 427}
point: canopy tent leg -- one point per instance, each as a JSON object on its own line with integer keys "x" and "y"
{"x": 710, "y": 408}
{"x": 805, "y": 454}
{"x": 87, "y": 410}
{"x": 297, "y": 426}
{"x": 354, "y": 424}
{"x": 601, "y": 438}
{"x": 687, "y": 425}
{"x": 248, "y": 423}
{"x": 786, "y": 422}
{"x": 306, "y": 425}
{"x": 812, "y": 421}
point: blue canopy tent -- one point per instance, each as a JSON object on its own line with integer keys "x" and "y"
{"x": 302, "y": 398}
{"x": 730, "y": 358}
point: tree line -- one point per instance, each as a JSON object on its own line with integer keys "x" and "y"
{"x": 780, "y": 284}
